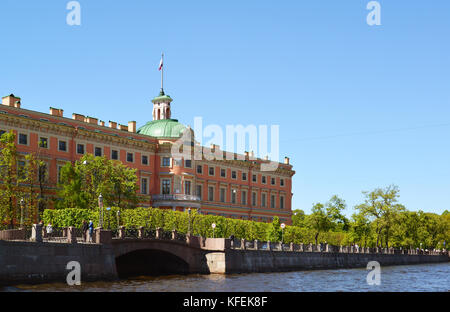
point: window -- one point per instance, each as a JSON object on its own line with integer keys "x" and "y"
{"x": 263, "y": 179}
{"x": 272, "y": 201}
{"x": 130, "y": 157}
{"x": 244, "y": 197}
{"x": 244, "y": 176}
{"x": 211, "y": 193}
{"x": 263, "y": 200}
{"x": 254, "y": 178}
{"x": 199, "y": 191}
{"x": 222, "y": 195}
{"x": 281, "y": 202}
{"x": 199, "y": 169}
{"x": 114, "y": 155}
{"x": 281, "y": 182}
{"x": 254, "y": 199}
{"x": 144, "y": 185}
{"x": 177, "y": 162}
{"x": 59, "y": 174}
{"x": 233, "y": 174}
{"x": 43, "y": 142}
{"x": 144, "y": 160}
{"x": 166, "y": 186}
{"x": 23, "y": 139}
{"x": 62, "y": 146}
{"x": 223, "y": 173}
{"x": 166, "y": 162}
{"x": 80, "y": 149}
{"x": 211, "y": 171}
{"x": 272, "y": 181}
{"x": 98, "y": 151}
{"x": 187, "y": 187}
{"x": 188, "y": 163}
{"x": 233, "y": 196}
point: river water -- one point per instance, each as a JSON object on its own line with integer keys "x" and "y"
{"x": 418, "y": 278}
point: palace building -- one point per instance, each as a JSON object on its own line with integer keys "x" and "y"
{"x": 235, "y": 188}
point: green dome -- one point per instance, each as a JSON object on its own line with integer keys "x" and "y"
{"x": 165, "y": 128}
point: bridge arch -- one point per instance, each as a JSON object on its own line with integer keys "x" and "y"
{"x": 157, "y": 257}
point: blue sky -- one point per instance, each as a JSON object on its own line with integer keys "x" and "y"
{"x": 359, "y": 106}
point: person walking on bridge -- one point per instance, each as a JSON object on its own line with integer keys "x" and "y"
{"x": 91, "y": 230}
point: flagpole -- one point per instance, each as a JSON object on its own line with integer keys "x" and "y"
{"x": 162, "y": 73}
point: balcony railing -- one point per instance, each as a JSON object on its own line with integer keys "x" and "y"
{"x": 175, "y": 197}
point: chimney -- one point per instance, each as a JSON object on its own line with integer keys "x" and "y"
{"x": 11, "y": 101}
{"x": 91, "y": 120}
{"x": 132, "y": 126}
{"x": 266, "y": 157}
{"x": 102, "y": 123}
{"x": 246, "y": 155}
{"x": 56, "y": 112}
{"x": 286, "y": 160}
{"x": 123, "y": 127}
{"x": 112, "y": 124}
{"x": 78, "y": 117}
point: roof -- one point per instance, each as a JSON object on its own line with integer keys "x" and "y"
{"x": 165, "y": 128}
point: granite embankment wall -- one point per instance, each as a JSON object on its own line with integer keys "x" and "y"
{"x": 29, "y": 262}
{"x": 248, "y": 261}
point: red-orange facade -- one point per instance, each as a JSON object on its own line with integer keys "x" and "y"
{"x": 231, "y": 188}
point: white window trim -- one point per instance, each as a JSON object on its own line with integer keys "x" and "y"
{"x": 134, "y": 158}
{"x": 67, "y": 146}
{"x": 148, "y": 160}
{"x": 147, "y": 186}
{"x": 170, "y": 162}
{"x": 213, "y": 193}
{"x": 28, "y": 138}
{"x": 170, "y": 186}
{"x": 102, "y": 151}
{"x": 118, "y": 154}
{"x": 84, "y": 149}
{"x": 39, "y": 141}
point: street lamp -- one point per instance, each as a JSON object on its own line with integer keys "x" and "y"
{"x": 282, "y": 231}
{"x": 109, "y": 217}
{"x": 100, "y": 210}
{"x": 21, "y": 211}
{"x": 118, "y": 218}
{"x": 214, "y": 229}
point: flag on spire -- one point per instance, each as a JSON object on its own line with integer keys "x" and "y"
{"x": 160, "y": 64}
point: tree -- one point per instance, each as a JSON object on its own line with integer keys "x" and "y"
{"x": 335, "y": 206}
{"x": 318, "y": 220}
{"x": 298, "y": 218}
{"x": 83, "y": 182}
{"x": 8, "y": 175}
{"x": 381, "y": 206}
{"x": 274, "y": 232}
{"x": 360, "y": 229}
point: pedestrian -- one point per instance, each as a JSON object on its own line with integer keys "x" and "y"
{"x": 91, "y": 230}
{"x": 84, "y": 229}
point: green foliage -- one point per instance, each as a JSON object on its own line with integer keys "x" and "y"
{"x": 82, "y": 183}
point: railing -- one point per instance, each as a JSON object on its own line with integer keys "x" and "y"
{"x": 175, "y": 197}
{"x": 326, "y": 248}
{"x": 62, "y": 235}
